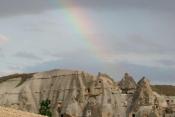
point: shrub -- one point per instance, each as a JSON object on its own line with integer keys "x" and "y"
{"x": 45, "y": 108}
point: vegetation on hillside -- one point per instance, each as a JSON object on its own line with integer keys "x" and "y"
{"x": 167, "y": 90}
{"x": 23, "y": 77}
{"x": 45, "y": 108}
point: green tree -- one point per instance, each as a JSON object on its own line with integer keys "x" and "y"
{"x": 45, "y": 108}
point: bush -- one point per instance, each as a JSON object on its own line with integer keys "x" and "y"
{"x": 45, "y": 108}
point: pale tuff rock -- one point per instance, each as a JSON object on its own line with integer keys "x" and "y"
{"x": 8, "y": 112}
{"x": 144, "y": 102}
{"x": 143, "y": 95}
{"x": 127, "y": 84}
{"x": 79, "y": 94}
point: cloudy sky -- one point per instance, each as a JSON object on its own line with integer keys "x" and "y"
{"x": 111, "y": 36}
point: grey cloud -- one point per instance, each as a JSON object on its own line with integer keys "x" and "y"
{"x": 167, "y": 62}
{"x": 27, "y": 55}
{"x": 149, "y": 4}
{"x": 68, "y": 63}
{"x": 1, "y": 53}
{"x": 155, "y": 74}
{"x": 87, "y": 63}
{"x": 79, "y": 60}
{"x": 14, "y": 7}
{"x": 140, "y": 44}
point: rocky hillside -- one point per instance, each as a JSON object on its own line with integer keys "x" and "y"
{"x": 127, "y": 83}
{"x": 8, "y": 112}
{"x": 143, "y": 96}
{"x": 75, "y": 93}
{"x": 167, "y": 90}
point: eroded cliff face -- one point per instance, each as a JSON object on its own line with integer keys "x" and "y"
{"x": 127, "y": 84}
{"x": 145, "y": 102}
{"x": 72, "y": 94}
{"x": 8, "y": 112}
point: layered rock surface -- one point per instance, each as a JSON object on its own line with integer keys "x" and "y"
{"x": 73, "y": 94}
{"x": 7, "y": 112}
{"x": 145, "y": 102}
{"x": 127, "y": 84}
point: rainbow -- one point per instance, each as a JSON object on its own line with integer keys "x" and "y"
{"x": 81, "y": 23}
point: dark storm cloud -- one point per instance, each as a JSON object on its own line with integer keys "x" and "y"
{"x": 27, "y": 55}
{"x": 16, "y": 7}
{"x": 155, "y": 4}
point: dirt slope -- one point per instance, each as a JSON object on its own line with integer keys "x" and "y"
{"x": 8, "y": 112}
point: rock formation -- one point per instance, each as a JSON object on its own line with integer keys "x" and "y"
{"x": 144, "y": 103}
{"x": 127, "y": 84}
{"x": 78, "y": 94}
{"x": 7, "y": 112}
